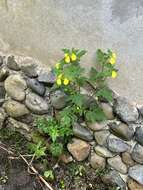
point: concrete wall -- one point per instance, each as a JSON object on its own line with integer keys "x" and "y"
{"x": 40, "y": 28}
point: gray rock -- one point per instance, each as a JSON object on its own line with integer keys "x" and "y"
{"x": 113, "y": 178}
{"x": 104, "y": 152}
{"x": 125, "y": 110}
{"x": 12, "y": 64}
{"x": 29, "y": 67}
{"x": 4, "y": 72}
{"x": 139, "y": 135}
{"x": 122, "y": 130}
{"x": 15, "y": 87}
{"x": 36, "y": 103}
{"x": 2, "y": 91}
{"x": 47, "y": 77}
{"x": 79, "y": 149}
{"x": 15, "y": 109}
{"x": 127, "y": 159}
{"x": 1, "y": 60}
{"x": 136, "y": 172}
{"x": 36, "y": 86}
{"x": 58, "y": 99}
{"x": 82, "y": 132}
{"x": 97, "y": 162}
{"x": 3, "y": 116}
{"x": 20, "y": 127}
{"x": 116, "y": 145}
{"x": 117, "y": 164}
{"x": 133, "y": 185}
{"x": 137, "y": 153}
{"x": 98, "y": 126}
{"x": 108, "y": 110}
{"x": 101, "y": 136}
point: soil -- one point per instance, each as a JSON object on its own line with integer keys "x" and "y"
{"x": 73, "y": 176}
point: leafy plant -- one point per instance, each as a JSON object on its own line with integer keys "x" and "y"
{"x": 55, "y": 130}
{"x": 37, "y": 149}
{"x": 70, "y": 78}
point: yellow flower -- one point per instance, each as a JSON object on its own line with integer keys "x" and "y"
{"x": 66, "y": 81}
{"x": 66, "y": 54}
{"x": 114, "y": 56}
{"x": 67, "y": 59}
{"x": 57, "y": 65}
{"x": 114, "y": 74}
{"x": 73, "y": 57}
{"x": 112, "y": 60}
{"x": 60, "y": 76}
{"x": 59, "y": 81}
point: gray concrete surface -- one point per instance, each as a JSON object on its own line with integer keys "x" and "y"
{"x": 40, "y": 28}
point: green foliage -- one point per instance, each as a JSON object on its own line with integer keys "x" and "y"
{"x": 56, "y": 149}
{"x": 49, "y": 175}
{"x": 37, "y": 149}
{"x": 104, "y": 93}
{"x": 70, "y": 78}
{"x": 95, "y": 114}
{"x": 76, "y": 169}
{"x": 55, "y": 130}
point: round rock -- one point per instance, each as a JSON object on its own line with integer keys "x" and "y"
{"x": 36, "y": 86}
{"x": 98, "y": 126}
{"x": 29, "y": 67}
{"x": 101, "y": 136}
{"x": 79, "y": 149}
{"x": 58, "y": 99}
{"x": 137, "y": 153}
{"x": 103, "y": 152}
{"x": 108, "y": 110}
{"x": 133, "y": 185}
{"x": 136, "y": 172}
{"x": 113, "y": 178}
{"x": 12, "y": 64}
{"x": 97, "y": 162}
{"x": 139, "y": 135}
{"x": 15, "y": 109}
{"x": 127, "y": 159}
{"x": 117, "y": 164}
{"x": 15, "y": 87}
{"x": 122, "y": 130}
{"x": 126, "y": 111}
{"x": 82, "y": 132}
{"x": 47, "y": 77}
{"x": 36, "y": 103}
{"x": 116, "y": 145}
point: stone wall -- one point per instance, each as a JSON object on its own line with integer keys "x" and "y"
{"x": 41, "y": 28}
{"x": 116, "y": 144}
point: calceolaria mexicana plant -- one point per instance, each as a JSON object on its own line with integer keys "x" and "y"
{"x": 70, "y": 78}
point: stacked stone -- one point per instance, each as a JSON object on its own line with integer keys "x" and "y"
{"x": 25, "y": 94}
{"x": 116, "y": 144}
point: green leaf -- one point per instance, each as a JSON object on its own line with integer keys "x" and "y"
{"x": 105, "y": 93}
{"x": 96, "y": 114}
{"x": 49, "y": 174}
{"x": 81, "y": 53}
{"x": 77, "y": 99}
{"x": 56, "y": 149}
{"x": 73, "y": 72}
{"x": 37, "y": 149}
{"x": 54, "y": 132}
